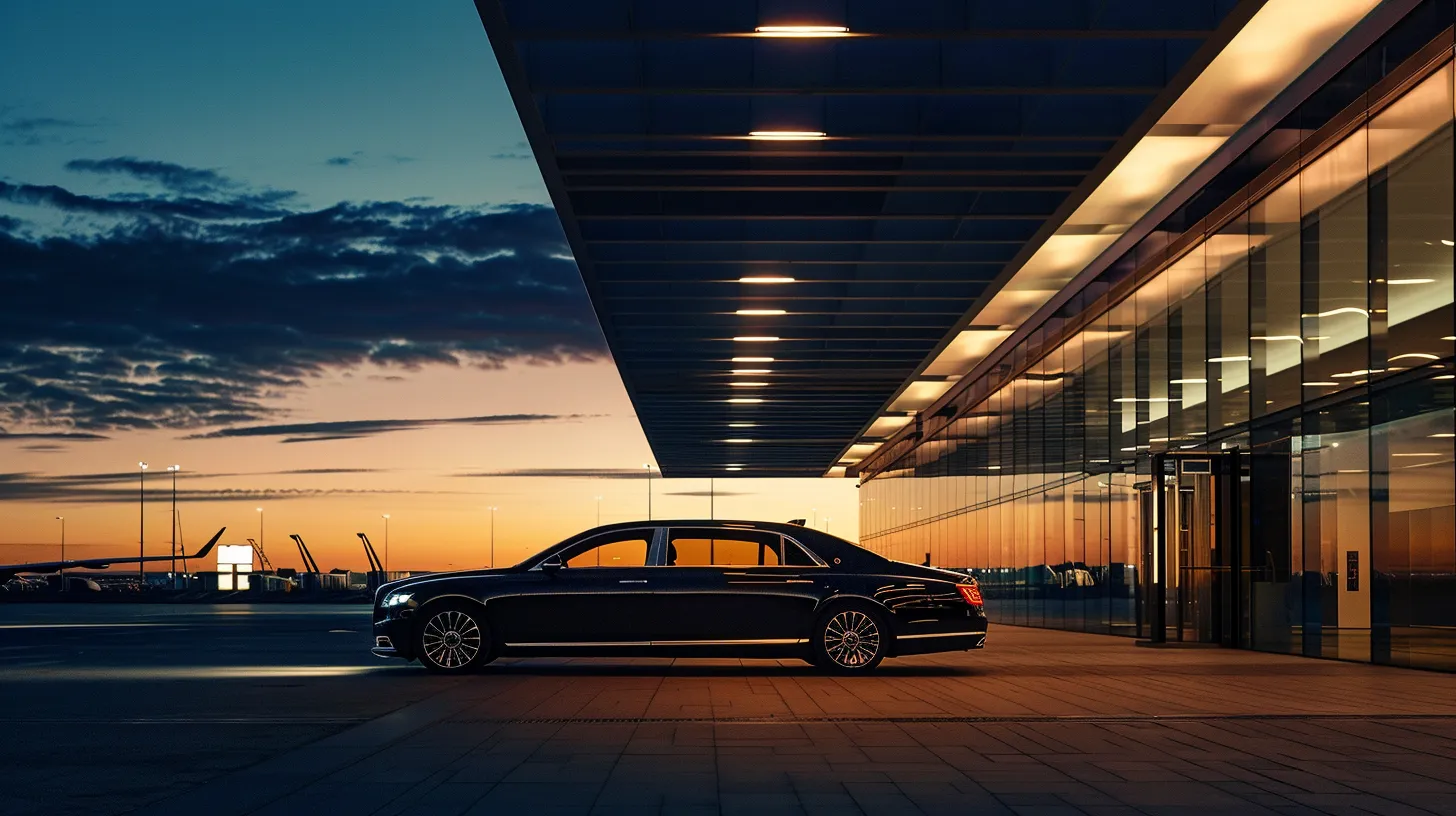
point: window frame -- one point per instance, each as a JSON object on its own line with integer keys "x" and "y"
{"x": 656, "y": 546}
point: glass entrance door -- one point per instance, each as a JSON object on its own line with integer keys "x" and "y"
{"x": 1190, "y": 532}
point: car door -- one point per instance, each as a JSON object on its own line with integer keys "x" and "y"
{"x": 730, "y": 585}
{"x": 601, "y": 596}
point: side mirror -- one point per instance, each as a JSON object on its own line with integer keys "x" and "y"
{"x": 552, "y": 564}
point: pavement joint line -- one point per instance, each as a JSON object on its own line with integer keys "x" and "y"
{"x": 945, "y": 719}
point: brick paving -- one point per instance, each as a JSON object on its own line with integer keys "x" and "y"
{"x": 1041, "y": 722}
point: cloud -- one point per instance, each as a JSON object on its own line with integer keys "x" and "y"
{"x": 208, "y": 299}
{"x": 69, "y": 436}
{"x": 38, "y": 130}
{"x": 99, "y": 489}
{"x": 560, "y": 473}
{"x": 356, "y": 428}
{"x": 175, "y": 177}
{"x": 340, "y": 161}
{"x": 43, "y": 448}
{"x": 704, "y": 494}
{"x": 519, "y": 150}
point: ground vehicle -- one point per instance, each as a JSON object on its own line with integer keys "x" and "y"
{"x": 684, "y": 588}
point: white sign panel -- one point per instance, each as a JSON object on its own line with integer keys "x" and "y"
{"x": 234, "y": 554}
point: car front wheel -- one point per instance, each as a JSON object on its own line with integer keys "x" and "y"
{"x": 452, "y": 640}
{"x": 850, "y": 640}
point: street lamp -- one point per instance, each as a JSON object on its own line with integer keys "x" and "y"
{"x": 142, "y": 522}
{"x": 492, "y": 537}
{"x": 599, "y": 511}
{"x": 385, "y": 516}
{"x": 826, "y": 524}
{"x": 62, "y": 520}
{"x": 261, "y": 549}
{"x": 815, "y": 522}
{"x": 172, "y": 469}
{"x": 648, "y": 468}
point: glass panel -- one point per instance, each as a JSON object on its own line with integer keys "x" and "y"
{"x": 1277, "y": 346}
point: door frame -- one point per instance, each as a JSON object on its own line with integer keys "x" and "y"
{"x": 1225, "y": 471}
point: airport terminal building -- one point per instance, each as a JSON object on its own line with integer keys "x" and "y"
{"x": 1140, "y": 311}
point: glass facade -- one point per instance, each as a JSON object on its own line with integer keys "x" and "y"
{"x": 1307, "y": 338}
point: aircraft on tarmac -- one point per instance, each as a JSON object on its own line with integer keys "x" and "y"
{"x": 8, "y": 571}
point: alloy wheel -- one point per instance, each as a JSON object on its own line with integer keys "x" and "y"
{"x": 451, "y": 639}
{"x": 851, "y": 639}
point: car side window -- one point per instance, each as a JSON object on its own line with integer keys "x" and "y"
{"x": 625, "y": 549}
{"x": 795, "y": 556}
{"x": 722, "y": 548}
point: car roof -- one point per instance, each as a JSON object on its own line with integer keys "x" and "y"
{"x": 823, "y": 544}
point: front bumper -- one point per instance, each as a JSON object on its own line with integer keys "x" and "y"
{"x": 393, "y": 638}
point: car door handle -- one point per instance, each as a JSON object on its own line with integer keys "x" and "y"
{"x": 642, "y": 581}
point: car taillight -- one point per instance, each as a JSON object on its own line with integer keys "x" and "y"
{"x": 971, "y": 593}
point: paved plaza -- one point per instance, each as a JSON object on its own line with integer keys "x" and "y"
{"x": 232, "y": 710}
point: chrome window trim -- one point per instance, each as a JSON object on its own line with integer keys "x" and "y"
{"x": 653, "y": 544}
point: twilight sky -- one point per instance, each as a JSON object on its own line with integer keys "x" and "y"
{"x": 301, "y": 250}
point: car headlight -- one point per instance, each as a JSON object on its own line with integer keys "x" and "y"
{"x": 397, "y": 599}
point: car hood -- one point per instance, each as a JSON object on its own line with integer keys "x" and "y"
{"x": 405, "y": 583}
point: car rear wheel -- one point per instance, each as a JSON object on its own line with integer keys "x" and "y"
{"x": 850, "y": 640}
{"x": 452, "y": 640}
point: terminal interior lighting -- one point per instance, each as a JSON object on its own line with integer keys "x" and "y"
{"x": 802, "y": 31}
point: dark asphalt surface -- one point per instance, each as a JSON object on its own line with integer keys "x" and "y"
{"x": 109, "y": 706}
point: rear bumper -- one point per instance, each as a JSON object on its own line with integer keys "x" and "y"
{"x": 927, "y": 643}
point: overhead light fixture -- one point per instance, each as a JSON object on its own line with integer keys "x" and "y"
{"x": 745, "y": 400}
{"x": 1190, "y": 381}
{"x": 1279, "y": 337}
{"x": 1446, "y": 242}
{"x": 1443, "y": 435}
{"x": 1409, "y": 281}
{"x": 748, "y": 384}
{"x": 802, "y": 31}
{"x": 1416, "y": 354}
{"x": 1416, "y": 454}
{"x": 766, "y": 279}
{"x": 755, "y": 339}
{"x": 752, "y": 360}
{"x": 1320, "y": 384}
{"x": 738, "y": 441}
{"x": 751, "y": 371}
{"x": 1450, "y": 337}
{"x": 743, "y": 425}
{"x": 760, "y": 312}
{"x": 788, "y": 135}
{"x": 733, "y": 467}
{"x": 1235, "y": 359}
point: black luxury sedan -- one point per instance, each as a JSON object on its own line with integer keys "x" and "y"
{"x": 684, "y": 589}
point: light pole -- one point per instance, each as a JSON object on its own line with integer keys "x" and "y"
{"x": 599, "y": 511}
{"x": 173, "y": 470}
{"x": 826, "y": 524}
{"x": 815, "y": 522}
{"x": 262, "y": 551}
{"x": 492, "y": 537}
{"x": 648, "y": 468}
{"x": 385, "y": 516}
{"x": 142, "y": 522}
{"x": 62, "y": 520}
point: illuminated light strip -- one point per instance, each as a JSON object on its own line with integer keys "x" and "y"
{"x": 748, "y": 384}
{"x": 1416, "y": 354}
{"x": 745, "y": 400}
{"x": 752, "y": 371}
{"x": 1280, "y": 337}
{"x": 1234, "y": 359}
{"x": 1193, "y": 381}
{"x": 738, "y": 441}
{"x": 1339, "y": 311}
{"x": 766, "y": 279}
{"x": 752, "y": 360}
{"x": 788, "y": 135}
{"x": 802, "y": 31}
{"x": 755, "y": 339}
{"x": 1320, "y": 384}
{"x": 1409, "y": 281}
{"x": 760, "y": 312}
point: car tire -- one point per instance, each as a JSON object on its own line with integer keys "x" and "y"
{"x": 850, "y": 639}
{"x": 452, "y": 639}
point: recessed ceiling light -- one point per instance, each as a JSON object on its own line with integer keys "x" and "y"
{"x": 1446, "y": 242}
{"x": 752, "y": 371}
{"x": 1442, "y": 435}
{"x": 1193, "y": 381}
{"x": 802, "y": 31}
{"x": 748, "y": 384}
{"x": 1450, "y": 337}
{"x": 766, "y": 279}
{"x": 738, "y": 441}
{"x": 743, "y": 400}
{"x": 752, "y": 360}
{"x": 743, "y": 425}
{"x": 733, "y": 467}
{"x": 1235, "y": 359}
{"x": 760, "y": 312}
{"x": 1409, "y": 281}
{"x": 1320, "y": 384}
{"x": 787, "y": 135}
{"x": 755, "y": 339}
